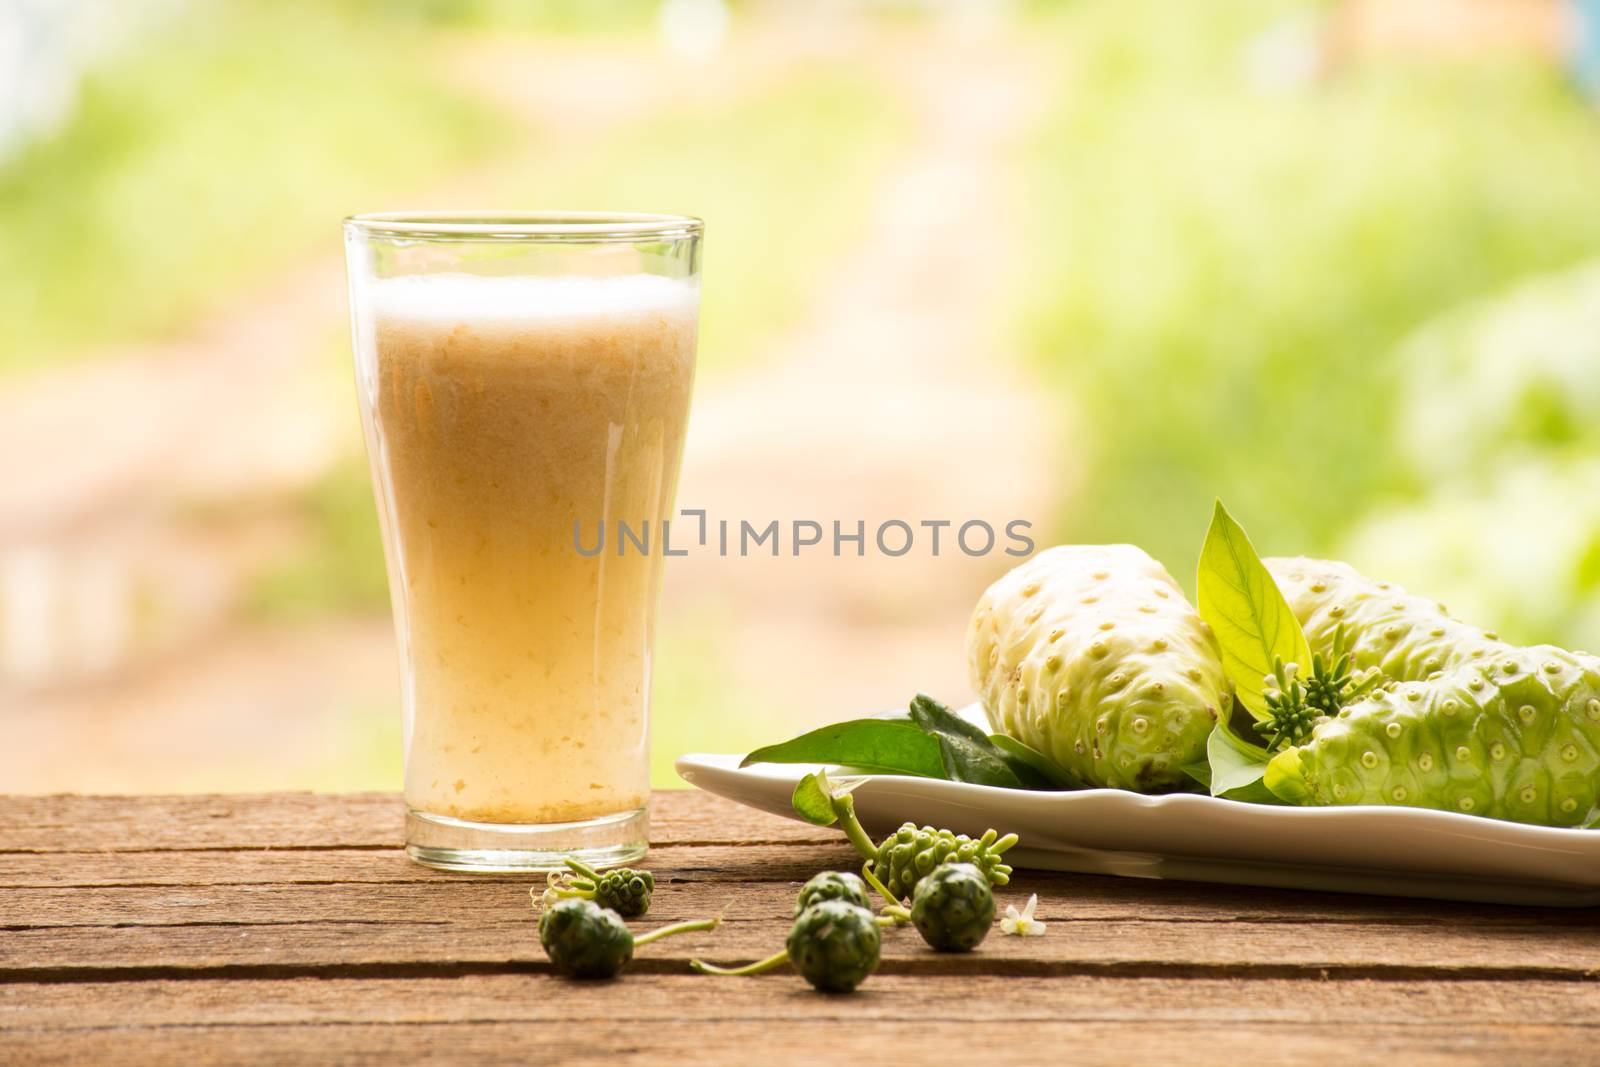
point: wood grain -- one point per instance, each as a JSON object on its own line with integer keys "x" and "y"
{"x": 963, "y": 998}
{"x": 279, "y": 928}
{"x": 769, "y": 1041}
{"x": 1072, "y": 1019}
{"x": 1092, "y": 895}
{"x": 1082, "y": 1019}
{"x": 71, "y": 823}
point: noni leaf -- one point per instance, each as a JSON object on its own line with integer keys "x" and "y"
{"x": 1252, "y": 622}
{"x": 1021, "y": 756}
{"x": 880, "y": 745}
{"x": 1237, "y": 767}
{"x": 813, "y": 800}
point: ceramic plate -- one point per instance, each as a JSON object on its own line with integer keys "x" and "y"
{"x": 1397, "y": 851}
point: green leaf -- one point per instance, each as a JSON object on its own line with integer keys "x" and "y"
{"x": 1255, "y": 792}
{"x": 1015, "y": 752}
{"x": 813, "y": 800}
{"x": 936, "y": 718}
{"x": 1200, "y": 771}
{"x": 968, "y": 761}
{"x": 1284, "y": 780}
{"x": 929, "y": 741}
{"x": 885, "y": 746}
{"x": 1247, "y": 613}
{"x": 1237, "y": 767}
{"x": 971, "y": 755}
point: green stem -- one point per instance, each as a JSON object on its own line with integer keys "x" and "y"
{"x": 678, "y": 928}
{"x": 758, "y": 967}
{"x": 562, "y": 889}
{"x": 872, "y": 880}
{"x": 582, "y": 868}
{"x": 845, "y": 807}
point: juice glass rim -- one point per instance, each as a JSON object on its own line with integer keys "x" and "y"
{"x": 585, "y": 227}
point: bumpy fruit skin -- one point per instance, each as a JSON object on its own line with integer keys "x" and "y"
{"x": 953, "y": 908}
{"x": 584, "y": 940}
{"x": 834, "y": 945}
{"x": 1091, "y": 654}
{"x": 1405, "y": 637}
{"x": 1470, "y": 724}
{"x": 1514, "y": 737}
{"x": 625, "y": 891}
{"x": 906, "y": 856}
{"x": 832, "y": 885}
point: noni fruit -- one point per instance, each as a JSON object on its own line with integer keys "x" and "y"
{"x": 1470, "y": 724}
{"x": 1515, "y": 736}
{"x": 832, "y": 885}
{"x": 584, "y": 940}
{"x": 1091, "y": 654}
{"x": 909, "y": 854}
{"x": 835, "y": 945}
{"x": 1407, "y": 638}
{"x": 953, "y": 908}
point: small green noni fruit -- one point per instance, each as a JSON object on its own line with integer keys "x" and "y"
{"x": 953, "y": 908}
{"x": 623, "y": 890}
{"x": 584, "y": 940}
{"x": 834, "y": 945}
{"x": 911, "y": 852}
{"x": 626, "y": 891}
{"x": 832, "y": 885}
{"x": 1091, "y": 655}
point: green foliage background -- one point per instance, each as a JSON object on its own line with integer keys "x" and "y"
{"x": 210, "y": 156}
{"x": 1225, "y": 270}
{"x": 1359, "y": 308}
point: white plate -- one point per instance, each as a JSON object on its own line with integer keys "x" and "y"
{"x": 1411, "y": 852}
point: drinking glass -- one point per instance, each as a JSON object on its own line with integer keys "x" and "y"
{"x": 524, "y": 387}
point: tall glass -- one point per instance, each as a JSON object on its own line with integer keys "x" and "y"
{"x": 524, "y": 384}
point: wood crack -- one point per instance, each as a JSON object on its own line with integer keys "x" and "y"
{"x": 954, "y": 967}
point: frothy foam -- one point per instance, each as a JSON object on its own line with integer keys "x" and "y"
{"x": 476, "y": 298}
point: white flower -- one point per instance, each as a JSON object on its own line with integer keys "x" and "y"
{"x": 547, "y": 898}
{"x": 1022, "y": 923}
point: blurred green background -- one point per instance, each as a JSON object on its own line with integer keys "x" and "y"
{"x": 1090, "y": 264}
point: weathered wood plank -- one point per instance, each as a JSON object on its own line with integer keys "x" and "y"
{"x": 756, "y": 883}
{"x": 446, "y": 941}
{"x": 697, "y": 877}
{"x": 275, "y": 820}
{"x": 286, "y": 928}
{"x": 451, "y": 924}
{"x": 689, "y": 1040}
{"x": 71, "y": 823}
{"x": 72, "y": 870}
{"x": 971, "y": 998}
{"x": 62, "y": 870}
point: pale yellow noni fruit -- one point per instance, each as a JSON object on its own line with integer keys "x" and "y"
{"x": 1092, "y": 655}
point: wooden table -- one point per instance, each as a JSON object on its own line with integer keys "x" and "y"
{"x": 291, "y": 928}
